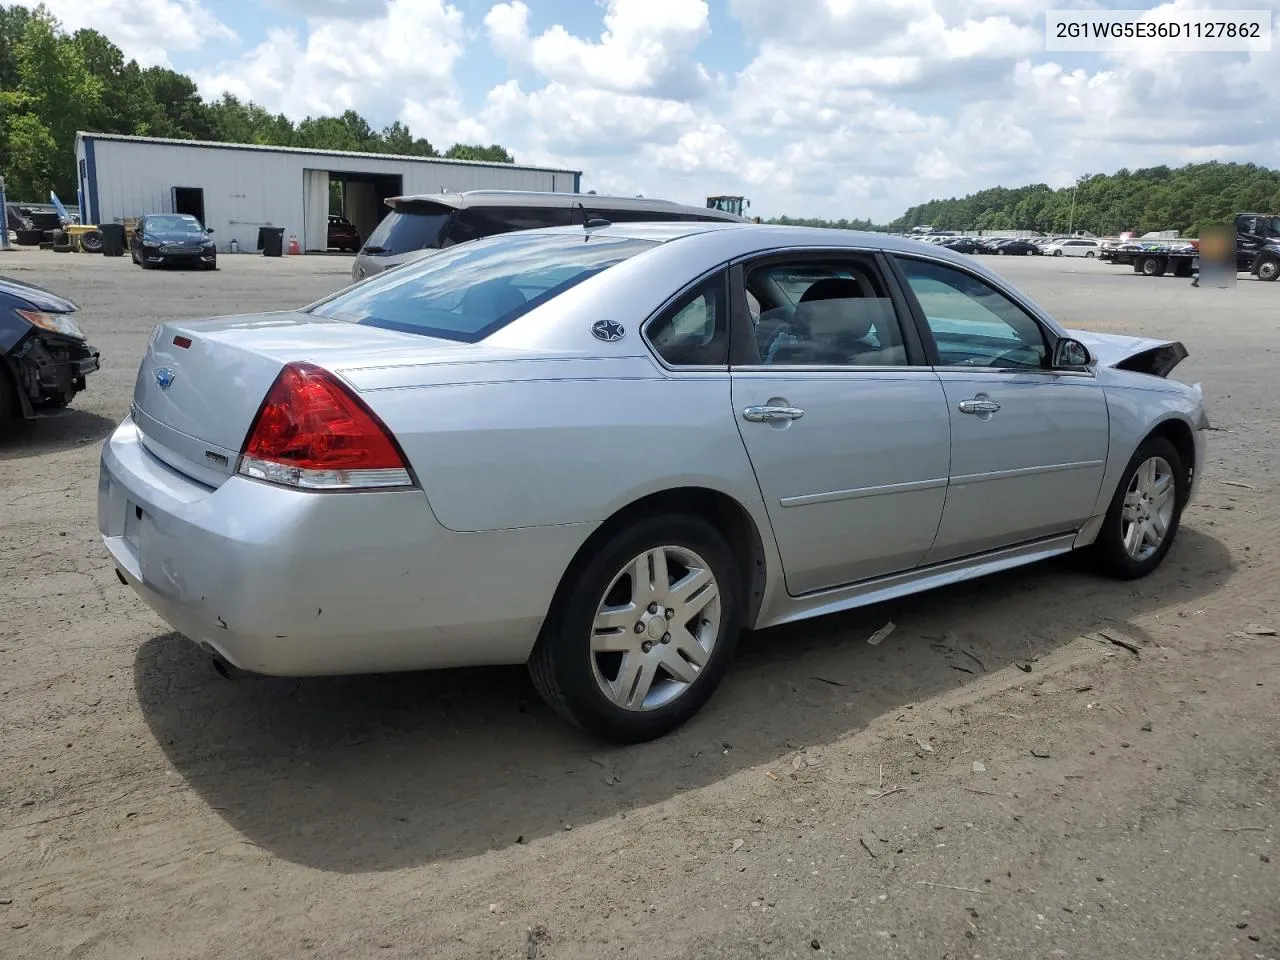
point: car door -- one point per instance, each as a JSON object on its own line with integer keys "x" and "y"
{"x": 1028, "y": 443}
{"x": 844, "y": 423}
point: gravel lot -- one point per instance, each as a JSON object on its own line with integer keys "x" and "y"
{"x": 834, "y": 799}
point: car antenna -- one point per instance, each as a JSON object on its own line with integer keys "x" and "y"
{"x": 589, "y": 221}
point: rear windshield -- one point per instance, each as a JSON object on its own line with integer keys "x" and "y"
{"x": 406, "y": 229}
{"x": 470, "y": 291}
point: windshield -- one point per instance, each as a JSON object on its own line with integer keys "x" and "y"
{"x": 406, "y": 229}
{"x": 1269, "y": 227}
{"x": 176, "y": 221}
{"x": 472, "y": 290}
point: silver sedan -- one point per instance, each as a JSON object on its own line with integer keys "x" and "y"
{"x": 605, "y": 451}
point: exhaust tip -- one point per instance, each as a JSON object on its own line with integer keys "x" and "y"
{"x": 225, "y": 668}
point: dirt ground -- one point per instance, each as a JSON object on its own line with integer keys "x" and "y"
{"x": 996, "y": 780}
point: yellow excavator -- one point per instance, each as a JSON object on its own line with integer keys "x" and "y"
{"x": 735, "y": 205}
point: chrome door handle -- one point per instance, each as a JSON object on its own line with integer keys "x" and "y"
{"x": 768, "y": 414}
{"x": 979, "y": 405}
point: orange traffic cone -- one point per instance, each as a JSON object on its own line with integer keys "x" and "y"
{"x": 294, "y": 249}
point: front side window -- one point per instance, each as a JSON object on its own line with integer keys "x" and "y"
{"x": 823, "y": 312}
{"x": 472, "y": 290}
{"x": 973, "y": 324}
{"x": 695, "y": 330}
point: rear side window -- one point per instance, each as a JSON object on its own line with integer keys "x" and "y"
{"x": 694, "y": 331}
{"x": 470, "y": 291}
{"x": 476, "y": 222}
{"x": 407, "y": 229}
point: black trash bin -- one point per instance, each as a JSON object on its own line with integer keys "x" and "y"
{"x": 112, "y": 239}
{"x": 271, "y": 241}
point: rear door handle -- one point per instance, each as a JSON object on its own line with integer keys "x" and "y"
{"x": 980, "y": 405}
{"x": 769, "y": 414}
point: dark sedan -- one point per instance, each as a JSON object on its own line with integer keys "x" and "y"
{"x": 1018, "y": 248}
{"x": 161, "y": 239}
{"x": 44, "y": 355}
{"x": 962, "y": 245}
{"x": 343, "y": 235}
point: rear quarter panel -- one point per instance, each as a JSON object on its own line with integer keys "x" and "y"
{"x": 532, "y": 443}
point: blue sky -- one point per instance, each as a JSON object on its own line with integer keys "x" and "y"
{"x": 837, "y": 108}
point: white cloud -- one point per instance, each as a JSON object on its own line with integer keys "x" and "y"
{"x": 645, "y": 47}
{"x": 394, "y": 64}
{"x": 144, "y": 30}
{"x": 840, "y": 108}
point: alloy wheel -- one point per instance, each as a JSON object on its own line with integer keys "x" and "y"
{"x": 655, "y": 628}
{"x": 1148, "y": 509}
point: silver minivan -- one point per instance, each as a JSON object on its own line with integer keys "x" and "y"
{"x": 433, "y": 221}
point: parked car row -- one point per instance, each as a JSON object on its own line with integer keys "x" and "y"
{"x": 1021, "y": 246}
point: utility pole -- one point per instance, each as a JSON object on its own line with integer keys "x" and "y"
{"x": 4, "y": 227}
{"x": 1071, "y": 223}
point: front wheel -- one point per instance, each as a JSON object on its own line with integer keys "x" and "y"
{"x": 1057, "y": 253}
{"x": 1145, "y": 512}
{"x": 1269, "y": 270}
{"x": 642, "y": 631}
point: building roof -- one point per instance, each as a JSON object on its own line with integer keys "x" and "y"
{"x": 591, "y": 202}
{"x": 268, "y": 148}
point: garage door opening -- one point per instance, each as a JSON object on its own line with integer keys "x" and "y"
{"x": 335, "y": 196}
{"x": 189, "y": 200}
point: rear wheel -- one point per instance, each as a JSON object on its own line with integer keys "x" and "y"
{"x": 1089, "y": 254}
{"x": 1145, "y": 511}
{"x": 642, "y": 631}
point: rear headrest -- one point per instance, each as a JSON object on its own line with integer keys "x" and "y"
{"x": 832, "y": 288}
{"x": 849, "y": 318}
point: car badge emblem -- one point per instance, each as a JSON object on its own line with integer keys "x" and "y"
{"x": 610, "y": 331}
{"x": 164, "y": 377}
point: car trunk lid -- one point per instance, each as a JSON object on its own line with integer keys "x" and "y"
{"x": 201, "y": 382}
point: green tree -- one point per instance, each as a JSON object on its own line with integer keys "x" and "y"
{"x": 55, "y": 96}
{"x": 397, "y": 139}
{"x": 492, "y": 153}
{"x": 32, "y": 158}
{"x": 13, "y": 26}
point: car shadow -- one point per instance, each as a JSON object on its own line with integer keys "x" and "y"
{"x": 49, "y": 434}
{"x": 385, "y": 772}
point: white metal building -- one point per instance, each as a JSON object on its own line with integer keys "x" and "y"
{"x": 236, "y": 188}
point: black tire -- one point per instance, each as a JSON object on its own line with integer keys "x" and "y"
{"x": 1089, "y": 254}
{"x": 91, "y": 242}
{"x": 562, "y": 665}
{"x": 46, "y": 244}
{"x": 1152, "y": 267}
{"x": 62, "y": 248}
{"x": 1057, "y": 253}
{"x": 1109, "y": 550}
{"x": 1269, "y": 270}
{"x": 29, "y": 238}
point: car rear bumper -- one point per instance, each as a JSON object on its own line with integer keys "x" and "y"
{"x": 294, "y": 583}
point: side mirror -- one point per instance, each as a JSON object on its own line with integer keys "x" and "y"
{"x": 1070, "y": 354}
{"x": 208, "y": 229}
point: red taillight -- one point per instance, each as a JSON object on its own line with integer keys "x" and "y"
{"x": 312, "y": 431}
